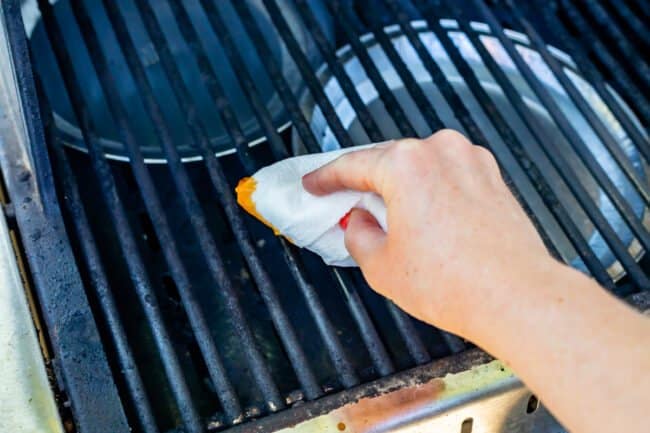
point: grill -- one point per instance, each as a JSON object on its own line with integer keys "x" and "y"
{"x": 170, "y": 310}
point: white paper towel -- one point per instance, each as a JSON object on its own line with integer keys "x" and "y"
{"x": 275, "y": 196}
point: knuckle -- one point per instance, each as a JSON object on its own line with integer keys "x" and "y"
{"x": 486, "y": 157}
{"x": 451, "y": 143}
{"x": 482, "y": 153}
{"x": 447, "y": 135}
{"x": 406, "y": 153}
{"x": 407, "y": 145}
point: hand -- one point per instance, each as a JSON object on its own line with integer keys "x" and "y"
{"x": 456, "y": 237}
{"x": 461, "y": 254}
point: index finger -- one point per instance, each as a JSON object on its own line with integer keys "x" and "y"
{"x": 355, "y": 170}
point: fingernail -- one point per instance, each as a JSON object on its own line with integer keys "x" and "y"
{"x": 345, "y": 220}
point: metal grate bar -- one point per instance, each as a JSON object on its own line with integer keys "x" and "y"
{"x": 406, "y": 329}
{"x": 406, "y": 76}
{"x": 256, "y": 362}
{"x": 163, "y": 231}
{"x": 99, "y": 282}
{"x": 515, "y": 99}
{"x": 400, "y": 317}
{"x": 340, "y": 360}
{"x": 126, "y": 238}
{"x": 269, "y": 293}
{"x": 211, "y": 82}
{"x": 310, "y": 79}
{"x": 596, "y": 122}
{"x": 618, "y": 74}
{"x": 587, "y": 158}
{"x": 376, "y": 348}
{"x": 272, "y": 68}
{"x": 371, "y": 339}
{"x": 456, "y": 344}
{"x": 442, "y": 83}
{"x": 510, "y": 138}
{"x": 425, "y": 106}
{"x": 390, "y": 102}
{"x": 578, "y": 190}
{"x": 328, "y": 53}
{"x": 347, "y": 375}
{"x": 596, "y": 79}
{"x": 643, "y": 6}
{"x": 348, "y": 23}
{"x": 637, "y": 28}
{"x": 606, "y": 26}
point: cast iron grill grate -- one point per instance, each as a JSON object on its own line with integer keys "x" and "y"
{"x": 209, "y": 321}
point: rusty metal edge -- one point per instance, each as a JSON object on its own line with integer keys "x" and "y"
{"x": 406, "y": 379}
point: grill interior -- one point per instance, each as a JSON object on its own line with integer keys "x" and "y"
{"x": 207, "y": 319}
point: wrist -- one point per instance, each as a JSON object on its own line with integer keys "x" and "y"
{"x": 512, "y": 299}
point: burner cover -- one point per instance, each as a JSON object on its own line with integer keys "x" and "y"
{"x": 48, "y": 71}
{"x": 388, "y": 128}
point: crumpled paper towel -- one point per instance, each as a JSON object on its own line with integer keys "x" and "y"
{"x": 275, "y": 196}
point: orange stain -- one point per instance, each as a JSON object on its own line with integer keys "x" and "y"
{"x": 369, "y": 414}
{"x": 245, "y": 189}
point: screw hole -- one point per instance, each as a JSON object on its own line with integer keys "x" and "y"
{"x": 533, "y": 404}
{"x": 466, "y": 426}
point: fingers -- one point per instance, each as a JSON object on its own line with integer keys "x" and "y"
{"x": 378, "y": 169}
{"x": 364, "y": 238}
{"x": 355, "y": 170}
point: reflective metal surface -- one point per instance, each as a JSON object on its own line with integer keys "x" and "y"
{"x": 383, "y": 119}
{"x": 484, "y": 399}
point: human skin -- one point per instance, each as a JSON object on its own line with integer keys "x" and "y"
{"x": 461, "y": 254}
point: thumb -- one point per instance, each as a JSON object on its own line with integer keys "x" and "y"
{"x": 364, "y": 237}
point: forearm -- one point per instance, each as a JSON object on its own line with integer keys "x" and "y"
{"x": 583, "y": 351}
